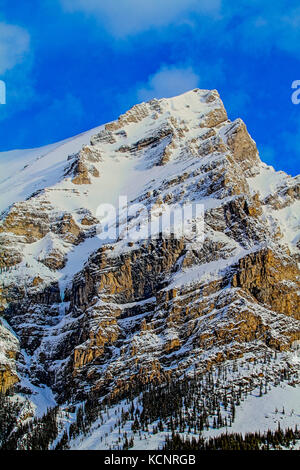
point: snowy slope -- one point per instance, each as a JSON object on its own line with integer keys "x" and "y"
{"x": 22, "y": 172}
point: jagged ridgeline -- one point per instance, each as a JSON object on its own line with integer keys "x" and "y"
{"x": 191, "y": 321}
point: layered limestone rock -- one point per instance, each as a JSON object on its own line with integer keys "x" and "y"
{"x": 29, "y": 222}
{"x": 206, "y": 320}
{"x": 272, "y": 279}
{"x": 107, "y": 315}
{"x": 82, "y": 166}
{"x": 243, "y": 148}
{"x": 9, "y": 348}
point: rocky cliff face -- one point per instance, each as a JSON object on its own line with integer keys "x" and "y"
{"x": 105, "y": 315}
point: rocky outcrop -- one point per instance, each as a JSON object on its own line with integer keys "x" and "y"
{"x": 9, "y": 349}
{"x": 28, "y": 221}
{"x": 272, "y": 279}
{"x": 7, "y": 379}
{"x": 243, "y": 148}
{"x": 82, "y": 166}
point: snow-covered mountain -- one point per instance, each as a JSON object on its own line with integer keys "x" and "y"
{"x": 84, "y": 316}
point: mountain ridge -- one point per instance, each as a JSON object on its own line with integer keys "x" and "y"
{"x": 96, "y": 316}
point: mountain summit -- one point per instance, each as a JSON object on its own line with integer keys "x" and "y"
{"x": 86, "y": 316}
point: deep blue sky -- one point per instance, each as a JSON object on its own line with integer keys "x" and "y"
{"x": 70, "y": 65}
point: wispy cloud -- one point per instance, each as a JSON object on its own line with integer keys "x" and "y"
{"x": 168, "y": 81}
{"x": 15, "y": 69}
{"x": 127, "y": 17}
{"x": 14, "y": 45}
{"x": 259, "y": 27}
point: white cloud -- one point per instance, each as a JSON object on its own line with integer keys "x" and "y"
{"x": 14, "y": 45}
{"x": 126, "y": 17}
{"x": 167, "y": 82}
{"x": 259, "y": 26}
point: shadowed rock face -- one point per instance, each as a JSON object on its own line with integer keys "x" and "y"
{"x": 122, "y": 313}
